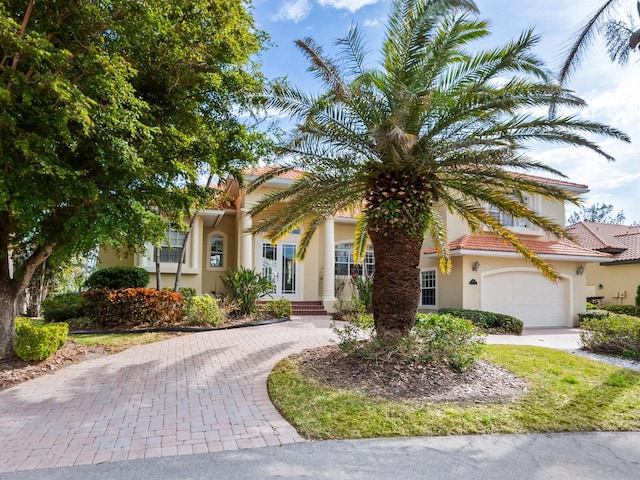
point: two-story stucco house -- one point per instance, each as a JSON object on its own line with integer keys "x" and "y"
{"x": 487, "y": 274}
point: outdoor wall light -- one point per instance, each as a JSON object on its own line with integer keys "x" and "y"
{"x": 580, "y": 270}
{"x": 600, "y": 286}
{"x": 476, "y": 266}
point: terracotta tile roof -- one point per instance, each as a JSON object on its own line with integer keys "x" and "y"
{"x": 258, "y": 171}
{"x": 622, "y": 241}
{"x": 553, "y": 181}
{"x": 496, "y": 244}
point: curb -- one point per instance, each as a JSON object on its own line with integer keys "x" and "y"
{"x": 182, "y": 329}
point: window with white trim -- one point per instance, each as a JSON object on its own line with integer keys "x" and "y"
{"x": 171, "y": 248}
{"x": 428, "y": 288}
{"x": 346, "y": 267}
{"x": 507, "y": 220}
{"x": 216, "y": 250}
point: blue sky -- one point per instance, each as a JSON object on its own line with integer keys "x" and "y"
{"x": 610, "y": 91}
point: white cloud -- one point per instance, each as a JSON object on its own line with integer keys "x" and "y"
{"x": 372, "y": 23}
{"x": 294, "y": 11}
{"x": 351, "y": 5}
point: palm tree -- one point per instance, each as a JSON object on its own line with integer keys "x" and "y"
{"x": 433, "y": 125}
{"x": 621, "y": 37}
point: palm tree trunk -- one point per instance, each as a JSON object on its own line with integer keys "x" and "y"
{"x": 396, "y": 285}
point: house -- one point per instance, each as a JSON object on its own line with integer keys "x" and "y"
{"x": 487, "y": 273}
{"x": 612, "y": 282}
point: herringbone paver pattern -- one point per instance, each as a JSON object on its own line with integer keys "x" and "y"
{"x": 197, "y": 393}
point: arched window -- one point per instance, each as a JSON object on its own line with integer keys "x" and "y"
{"x": 346, "y": 267}
{"x": 216, "y": 251}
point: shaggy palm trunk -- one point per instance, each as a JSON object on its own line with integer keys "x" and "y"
{"x": 396, "y": 285}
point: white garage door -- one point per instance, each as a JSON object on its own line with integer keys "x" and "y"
{"x": 528, "y": 296}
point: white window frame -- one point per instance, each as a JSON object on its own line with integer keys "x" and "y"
{"x": 434, "y": 288}
{"x": 515, "y": 224}
{"x": 366, "y": 268}
{"x": 224, "y": 254}
{"x": 173, "y": 241}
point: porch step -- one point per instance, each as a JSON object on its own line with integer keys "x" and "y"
{"x": 308, "y": 308}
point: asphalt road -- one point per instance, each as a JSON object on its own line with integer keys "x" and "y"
{"x": 566, "y": 456}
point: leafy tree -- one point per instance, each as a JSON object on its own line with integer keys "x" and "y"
{"x": 597, "y": 213}
{"x": 434, "y": 125}
{"x": 621, "y": 37}
{"x": 109, "y": 112}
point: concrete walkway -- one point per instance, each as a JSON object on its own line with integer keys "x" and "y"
{"x": 192, "y": 406}
{"x": 198, "y": 393}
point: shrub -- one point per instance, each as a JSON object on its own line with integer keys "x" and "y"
{"x": 134, "y": 307}
{"x": 63, "y": 307}
{"x": 638, "y": 296}
{"x": 592, "y": 306}
{"x": 487, "y": 321}
{"x": 363, "y": 286}
{"x": 279, "y": 308}
{"x": 632, "y": 310}
{"x": 202, "y": 310}
{"x": 434, "y": 339}
{"x": 187, "y": 292}
{"x": 35, "y": 343}
{"x": 616, "y": 334}
{"x": 592, "y": 314}
{"x": 245, "y": 287}
{"x": 115, "y": 278}
{"x": 445, "y": 338}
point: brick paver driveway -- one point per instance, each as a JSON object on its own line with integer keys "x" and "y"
{"x": 197, "y": 393}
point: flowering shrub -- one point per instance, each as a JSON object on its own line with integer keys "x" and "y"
{"x": 133, "y": 307}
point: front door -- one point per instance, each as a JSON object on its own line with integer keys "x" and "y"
{"x": 279, "y": 265}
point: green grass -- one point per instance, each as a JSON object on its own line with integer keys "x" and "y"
{"x": 566, "y": 393}
{"x": 117, "y": 342}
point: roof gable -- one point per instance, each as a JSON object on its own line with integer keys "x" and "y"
{"x": 622, "y": 241}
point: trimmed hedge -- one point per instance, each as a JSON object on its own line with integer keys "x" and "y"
{"x": 134, "y": 307}
{"x": 116, "y": 278}
{"x": 632, "y": 310}
{"x": 488, "y": 321}
{"x": 35, "y": 343}
{"x": 59, "y": 308}
{"x": 615, "y": 334}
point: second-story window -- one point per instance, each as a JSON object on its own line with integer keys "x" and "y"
{"x": 507, "y": 220}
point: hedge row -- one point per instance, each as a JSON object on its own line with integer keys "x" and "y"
{"x": 487, "y": 321}
{"x": 615, "y": 334}
{"x": 134, "y": 307}
{"x": 633, "y": 310}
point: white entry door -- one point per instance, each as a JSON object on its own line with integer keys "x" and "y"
{"x": 279, "y": 265}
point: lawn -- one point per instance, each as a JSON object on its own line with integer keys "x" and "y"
{"x": 116, "y": 342}
{"x": 566, "y": 393}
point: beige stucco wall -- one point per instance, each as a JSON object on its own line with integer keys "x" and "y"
{"x": 211, "y": 277}
{"x": 615, "y": 280}
{"x": 108, "y": 257}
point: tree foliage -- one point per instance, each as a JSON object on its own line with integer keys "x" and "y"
{"x": 622, "y": 37}
{"x": 436, "y": 124}
{"x": 597, "y": 213}
{"x": 110, "y": 111}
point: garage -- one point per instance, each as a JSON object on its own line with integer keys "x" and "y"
{"x": 527, "y": 295}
